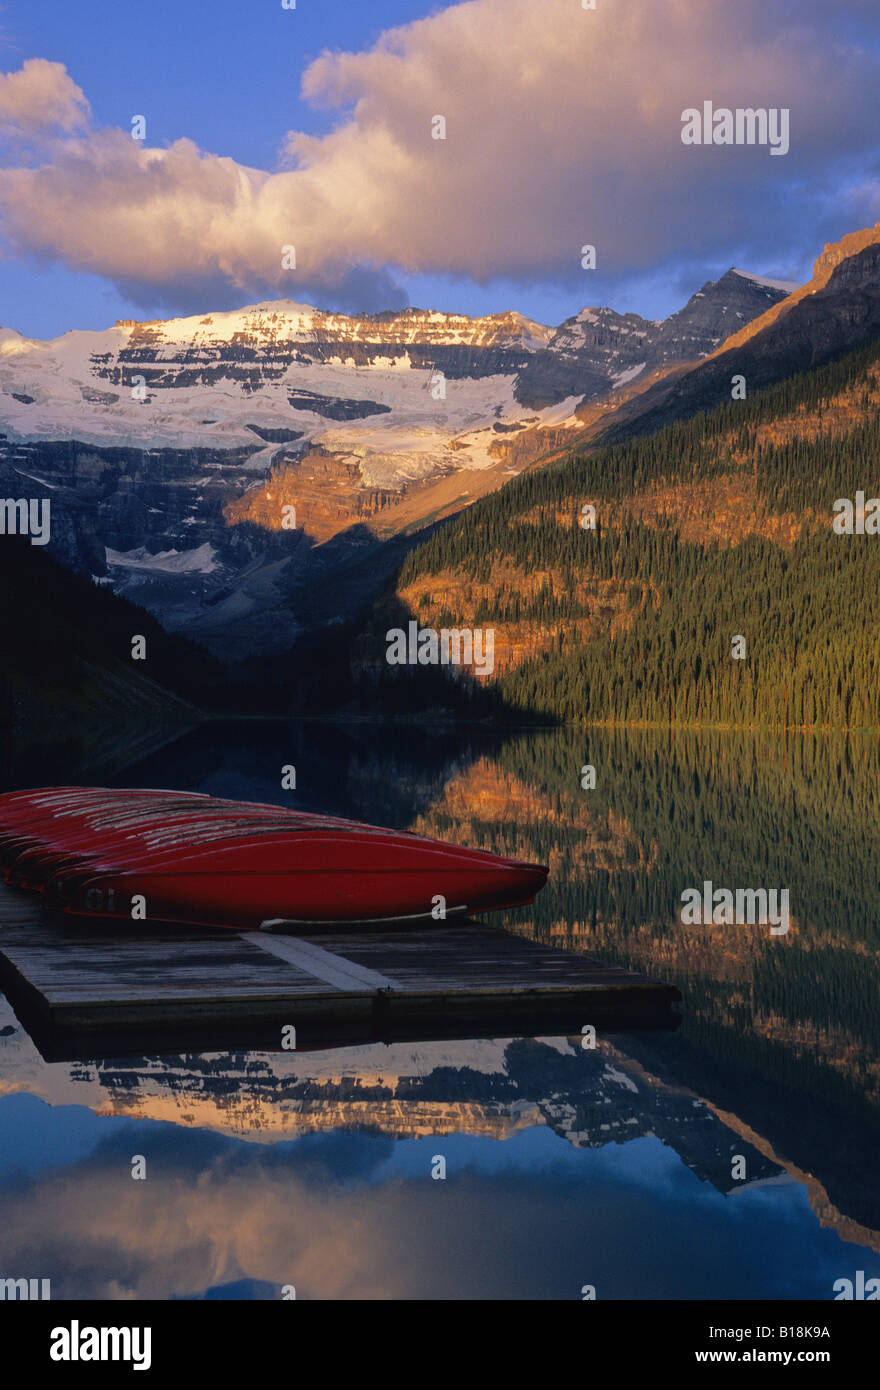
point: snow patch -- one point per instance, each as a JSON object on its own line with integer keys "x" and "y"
{"x": 788, "y": 285}
{"x": 629, "y": 374}
{"x": 201, "y": 560}
{"x": 620, "y": 1077}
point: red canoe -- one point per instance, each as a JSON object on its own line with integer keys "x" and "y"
{"x": 202, "y": 860}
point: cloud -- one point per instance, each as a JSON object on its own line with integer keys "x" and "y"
{"x": 563, "y": 128}
{"x": 632, "y": 1220}
{"x": 40, "y": 96}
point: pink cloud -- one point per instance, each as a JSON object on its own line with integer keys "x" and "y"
{"x": 40, "y": 96}
{"x": 562, "y": 128}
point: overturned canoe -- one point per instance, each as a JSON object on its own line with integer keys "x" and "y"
{"x": 190, "y": 858}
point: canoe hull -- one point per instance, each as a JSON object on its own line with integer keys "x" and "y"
{"x": 201, "y": 861}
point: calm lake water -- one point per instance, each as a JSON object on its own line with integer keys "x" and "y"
{"x": 735, "y": 1157}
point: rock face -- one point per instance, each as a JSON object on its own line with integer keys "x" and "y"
{"x": 599, "y": 350}
{"x": 172, "y": 451}
{"x": 839, "y": 313}
{"x": 833, "y": 255}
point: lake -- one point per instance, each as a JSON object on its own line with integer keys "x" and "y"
{"x": 734, "y": 1157}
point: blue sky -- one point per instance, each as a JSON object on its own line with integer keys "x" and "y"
{"x": 210, "y": 69}
{"x": 227, "y": 77}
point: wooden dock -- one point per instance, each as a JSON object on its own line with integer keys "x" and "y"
{"x": 120, "y": 988}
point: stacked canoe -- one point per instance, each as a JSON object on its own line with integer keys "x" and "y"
{"x": 186, "y": 857}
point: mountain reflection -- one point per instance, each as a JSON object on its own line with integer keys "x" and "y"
{"x": 268, "y": 1168}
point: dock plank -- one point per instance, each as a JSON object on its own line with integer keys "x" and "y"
{"x": 81, "y": 974}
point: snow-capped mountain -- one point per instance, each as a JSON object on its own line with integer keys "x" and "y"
{"x": 158, "y": 441}
{"x": 270, "y": 373}
{"x": 277, "y": 372}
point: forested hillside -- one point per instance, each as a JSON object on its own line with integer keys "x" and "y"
{"x": 716, "y": 528}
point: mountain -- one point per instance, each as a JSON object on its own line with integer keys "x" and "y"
{"x": 171, "y": 449}
{"x": 833, "y": 254}
{"x": 717, "y": 526}
{"x": 837, "y": 310}
{"x": 599, "y": 350}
